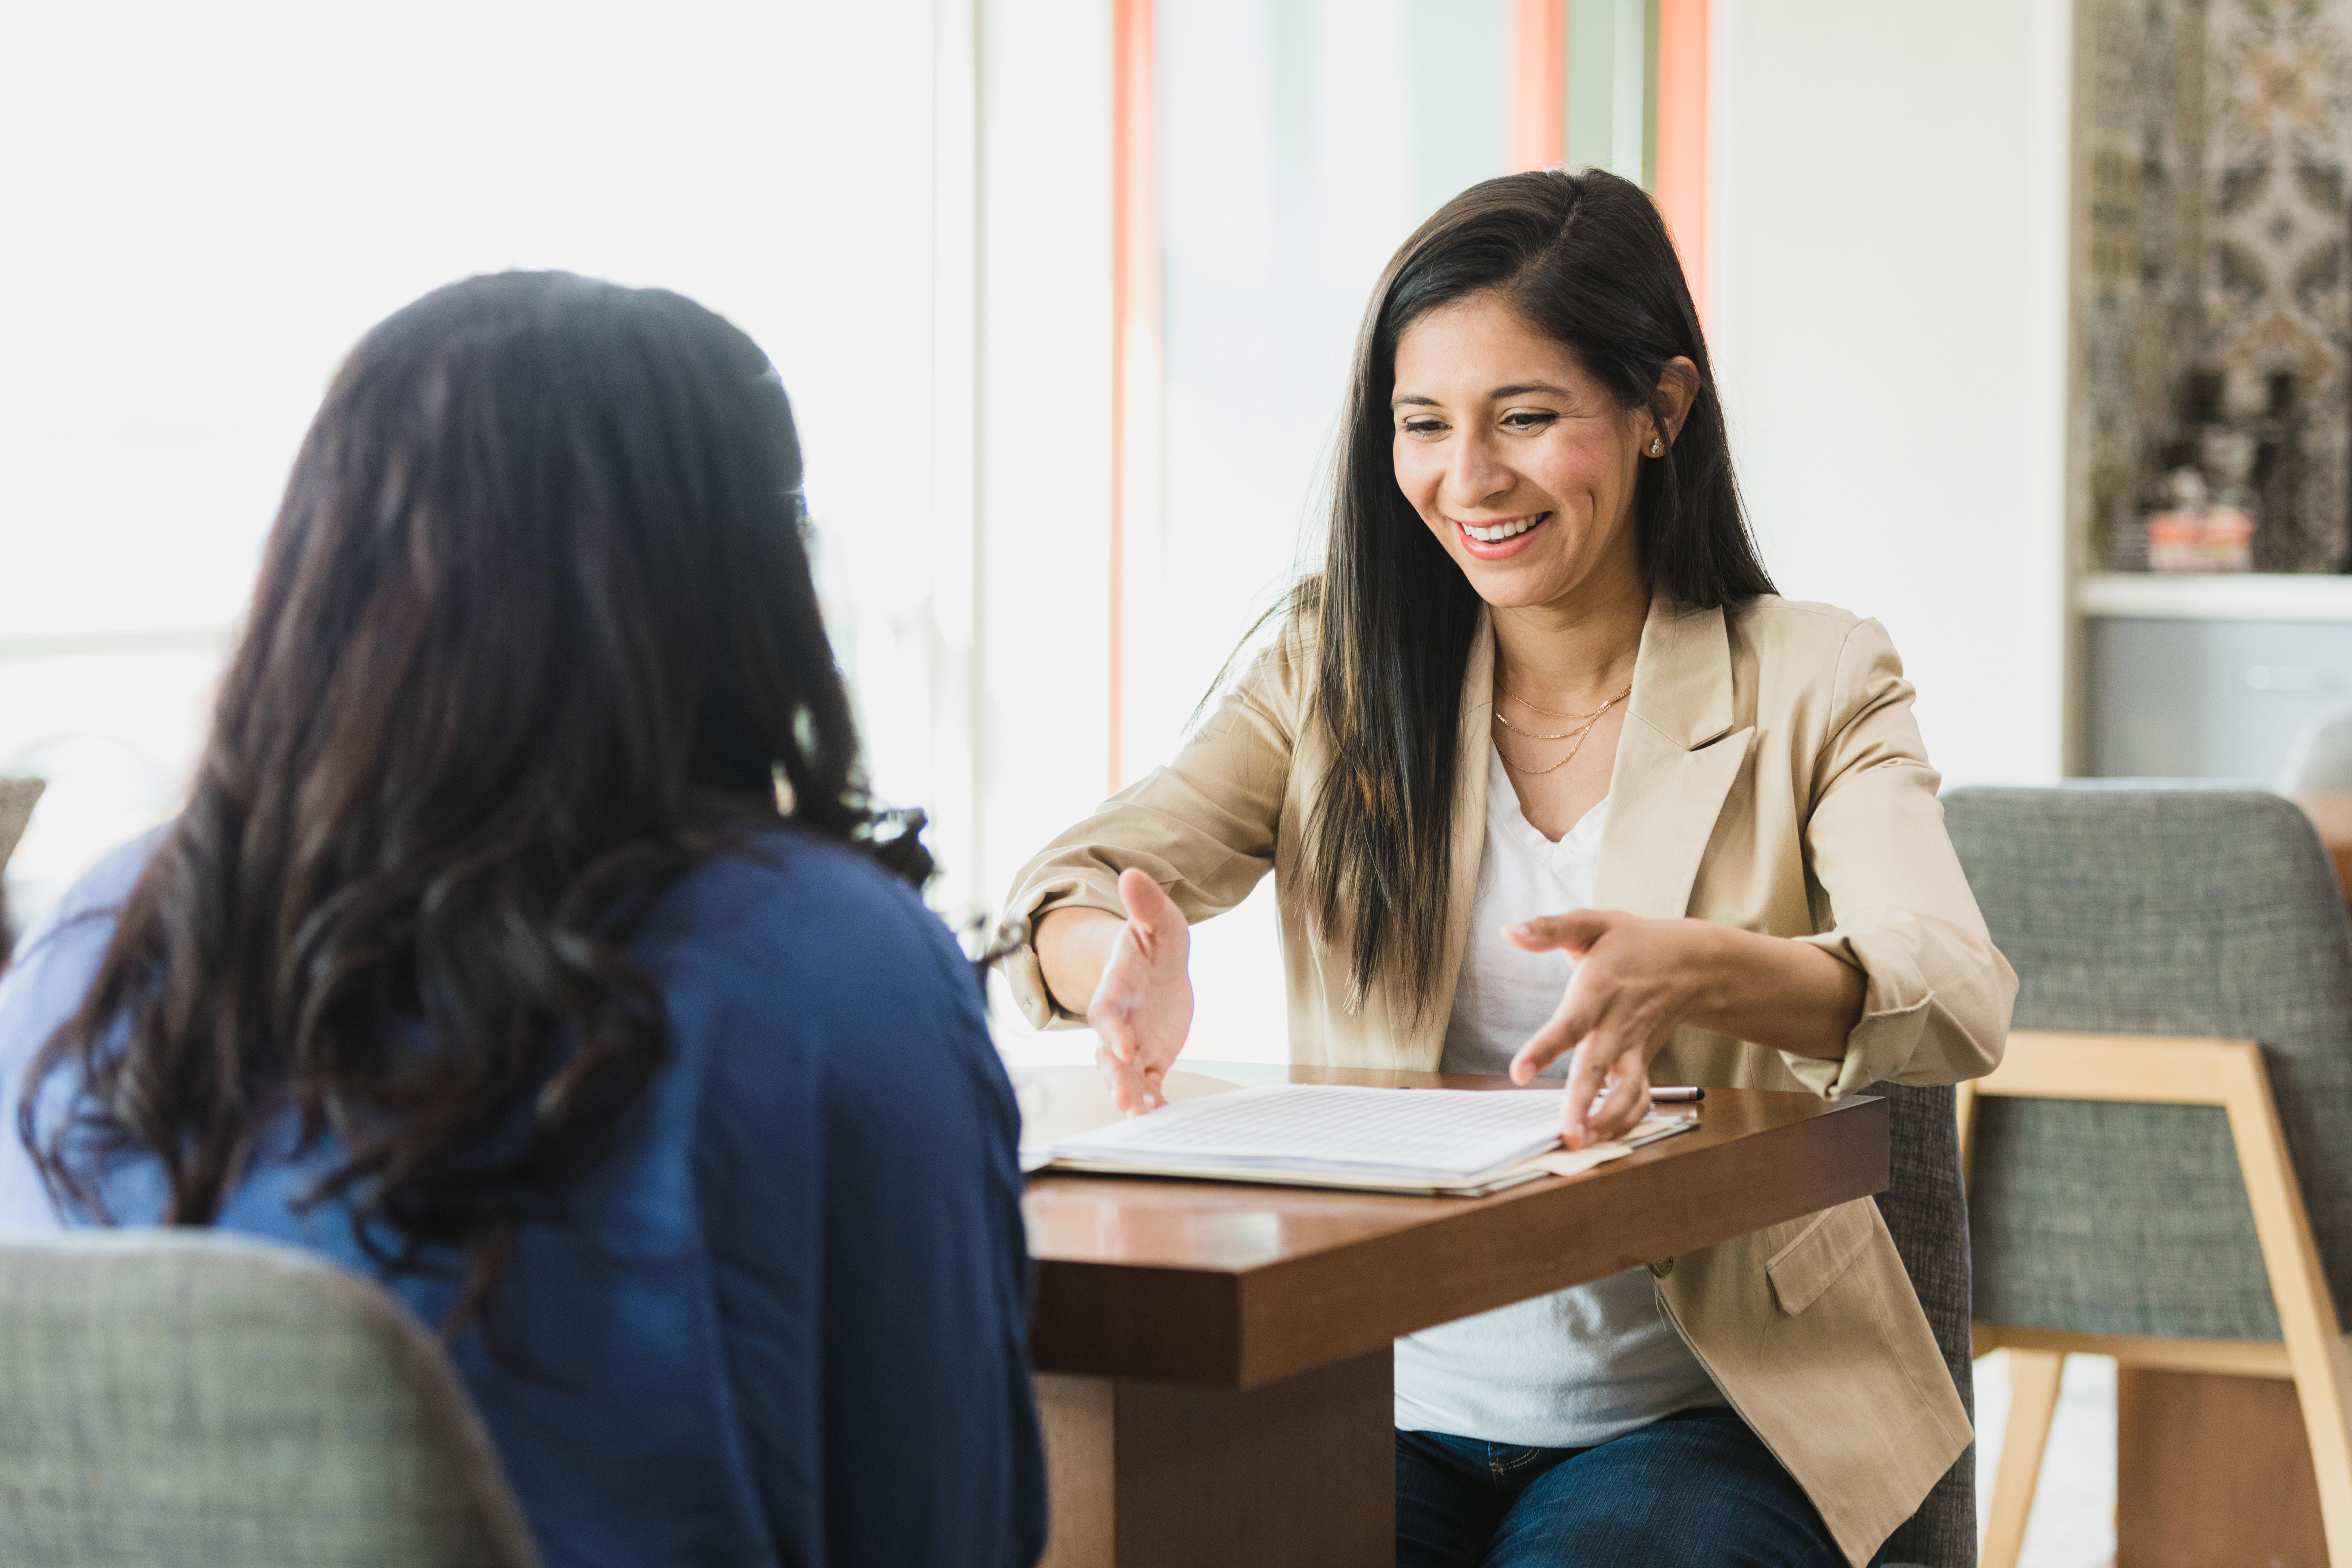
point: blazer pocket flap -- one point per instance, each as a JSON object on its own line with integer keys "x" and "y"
{"x": 1823, "y": 1250}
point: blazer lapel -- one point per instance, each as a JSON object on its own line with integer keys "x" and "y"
{"x": 1677, "y": 758}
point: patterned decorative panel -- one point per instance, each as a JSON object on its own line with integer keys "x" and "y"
{"x": 2278, "y": 298}
{"x": 2216, "y": 305}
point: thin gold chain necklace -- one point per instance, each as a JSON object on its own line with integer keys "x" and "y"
{"x": 1582, "y": 736}
{"x": 1590, "y": 719}
{"x": 1554, "y": 713}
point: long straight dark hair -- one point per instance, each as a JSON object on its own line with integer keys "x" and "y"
{"x": 1586, "y": 259}
{"x": 534, "y": 634}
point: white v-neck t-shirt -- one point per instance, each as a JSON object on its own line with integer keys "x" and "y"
{"x": 1584, "y": 1364}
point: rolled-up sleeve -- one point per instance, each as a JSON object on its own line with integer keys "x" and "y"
{"x": 1936, "y": 1004}
{"x": 1204, "y": 826}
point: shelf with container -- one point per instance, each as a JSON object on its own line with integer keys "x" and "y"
{"x": 2211, "y": 408}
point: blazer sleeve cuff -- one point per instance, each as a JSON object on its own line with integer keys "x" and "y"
{"x": 1024, "y": 973}
{"x": 1895, "y": 1010}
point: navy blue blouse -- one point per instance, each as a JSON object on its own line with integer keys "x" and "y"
{"x": 787, "y": 1323}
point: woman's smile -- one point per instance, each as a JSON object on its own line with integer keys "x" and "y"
{"x": 1500, "y": 539}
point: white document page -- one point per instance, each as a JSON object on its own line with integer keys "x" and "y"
{"x": 1436, "y": 1133}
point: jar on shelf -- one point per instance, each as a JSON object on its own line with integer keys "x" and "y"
{"x": 2229, "y": 535}
{"x": 2176, "y": 529}
{"x": 2176, "y": 542}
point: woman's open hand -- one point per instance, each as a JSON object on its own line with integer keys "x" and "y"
{"x": 1142, "y": 1007}
{"x": 1636, "y": 982}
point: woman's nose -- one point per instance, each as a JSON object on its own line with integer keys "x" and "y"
{"x": 1477, "y": 475}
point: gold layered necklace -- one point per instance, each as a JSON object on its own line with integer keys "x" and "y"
{"x": 1579, "y": 735}
{"x": 1556, "y": 714}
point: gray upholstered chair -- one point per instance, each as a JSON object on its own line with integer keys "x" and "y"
{"x": 184, "y": 1399}
{"x": 1926, "y": 1208}
{"x": 2161, "y": 1168}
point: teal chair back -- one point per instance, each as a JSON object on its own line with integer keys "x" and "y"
{"x": 185, "y": 1399}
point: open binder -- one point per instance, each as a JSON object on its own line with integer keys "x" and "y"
{"x": 1427, "y": 1142}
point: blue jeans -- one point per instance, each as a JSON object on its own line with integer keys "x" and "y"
{"x": 1697, "y": 1489}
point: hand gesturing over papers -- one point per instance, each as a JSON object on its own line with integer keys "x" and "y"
{"x": 1637, "y": 980}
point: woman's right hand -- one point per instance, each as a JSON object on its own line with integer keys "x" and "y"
{"x": 1142, "y": 1002}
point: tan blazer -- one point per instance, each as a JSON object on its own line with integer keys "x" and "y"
{"x": 1769, "y": 777}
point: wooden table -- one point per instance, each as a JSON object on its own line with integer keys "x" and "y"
{"x": 1213, "y": 1358}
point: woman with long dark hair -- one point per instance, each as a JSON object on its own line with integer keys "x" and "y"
{"x": 484, "y": 959}
{"x": 1541, "y": 699}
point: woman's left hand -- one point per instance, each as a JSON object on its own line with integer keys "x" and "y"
{"x": 1636, "y": 982}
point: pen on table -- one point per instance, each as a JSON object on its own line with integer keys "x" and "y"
{"x": 1669, "y": 1095}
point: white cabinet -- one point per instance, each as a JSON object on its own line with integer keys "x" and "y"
{"x": 2209, "y": 676}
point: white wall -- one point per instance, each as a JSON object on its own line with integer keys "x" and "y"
{"x": 1887, "y": 267}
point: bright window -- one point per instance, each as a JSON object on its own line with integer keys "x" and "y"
{"x": 208, "y": 205}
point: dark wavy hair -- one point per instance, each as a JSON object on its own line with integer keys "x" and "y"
{"x": 1586, "y": 259}
{"x": 534, "y": 634}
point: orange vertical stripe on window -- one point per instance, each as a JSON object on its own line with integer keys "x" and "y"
{"x": 1135, "y": 308}
{"x": 1538, "y": 84}
{"x": 1682, "y": 134}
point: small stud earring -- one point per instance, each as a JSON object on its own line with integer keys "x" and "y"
{"x": 1657, "y": 446}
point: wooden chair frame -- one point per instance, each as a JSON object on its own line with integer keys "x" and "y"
{"x": 2172, "y": 1070}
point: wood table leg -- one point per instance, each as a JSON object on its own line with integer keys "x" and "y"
{"x": 1298, "y": 1474}
{"x": 2213, "y": 1469}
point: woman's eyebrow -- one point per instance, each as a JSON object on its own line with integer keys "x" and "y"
{"x": 1515, "y": 389}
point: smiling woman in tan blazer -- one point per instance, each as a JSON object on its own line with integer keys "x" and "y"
{"x": 1540, "y": 615}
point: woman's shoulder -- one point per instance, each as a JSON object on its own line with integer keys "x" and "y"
{"x": 56, "y": 958}
{"x": 788, "y": 918}
{"x": 786, "y": 891}
{"x": 97, "y": 894}
{"x": 1277, "y": 663}
{"x": 1268, "y": 680}
{"x": 802, "y": 979}
{"x": 1793, "y": 619}
{"x": 1795, "y": 633}
{"x": 1813, "y": 668}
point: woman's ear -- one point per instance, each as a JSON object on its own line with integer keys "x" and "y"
{"x": 1677, "y": 389}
